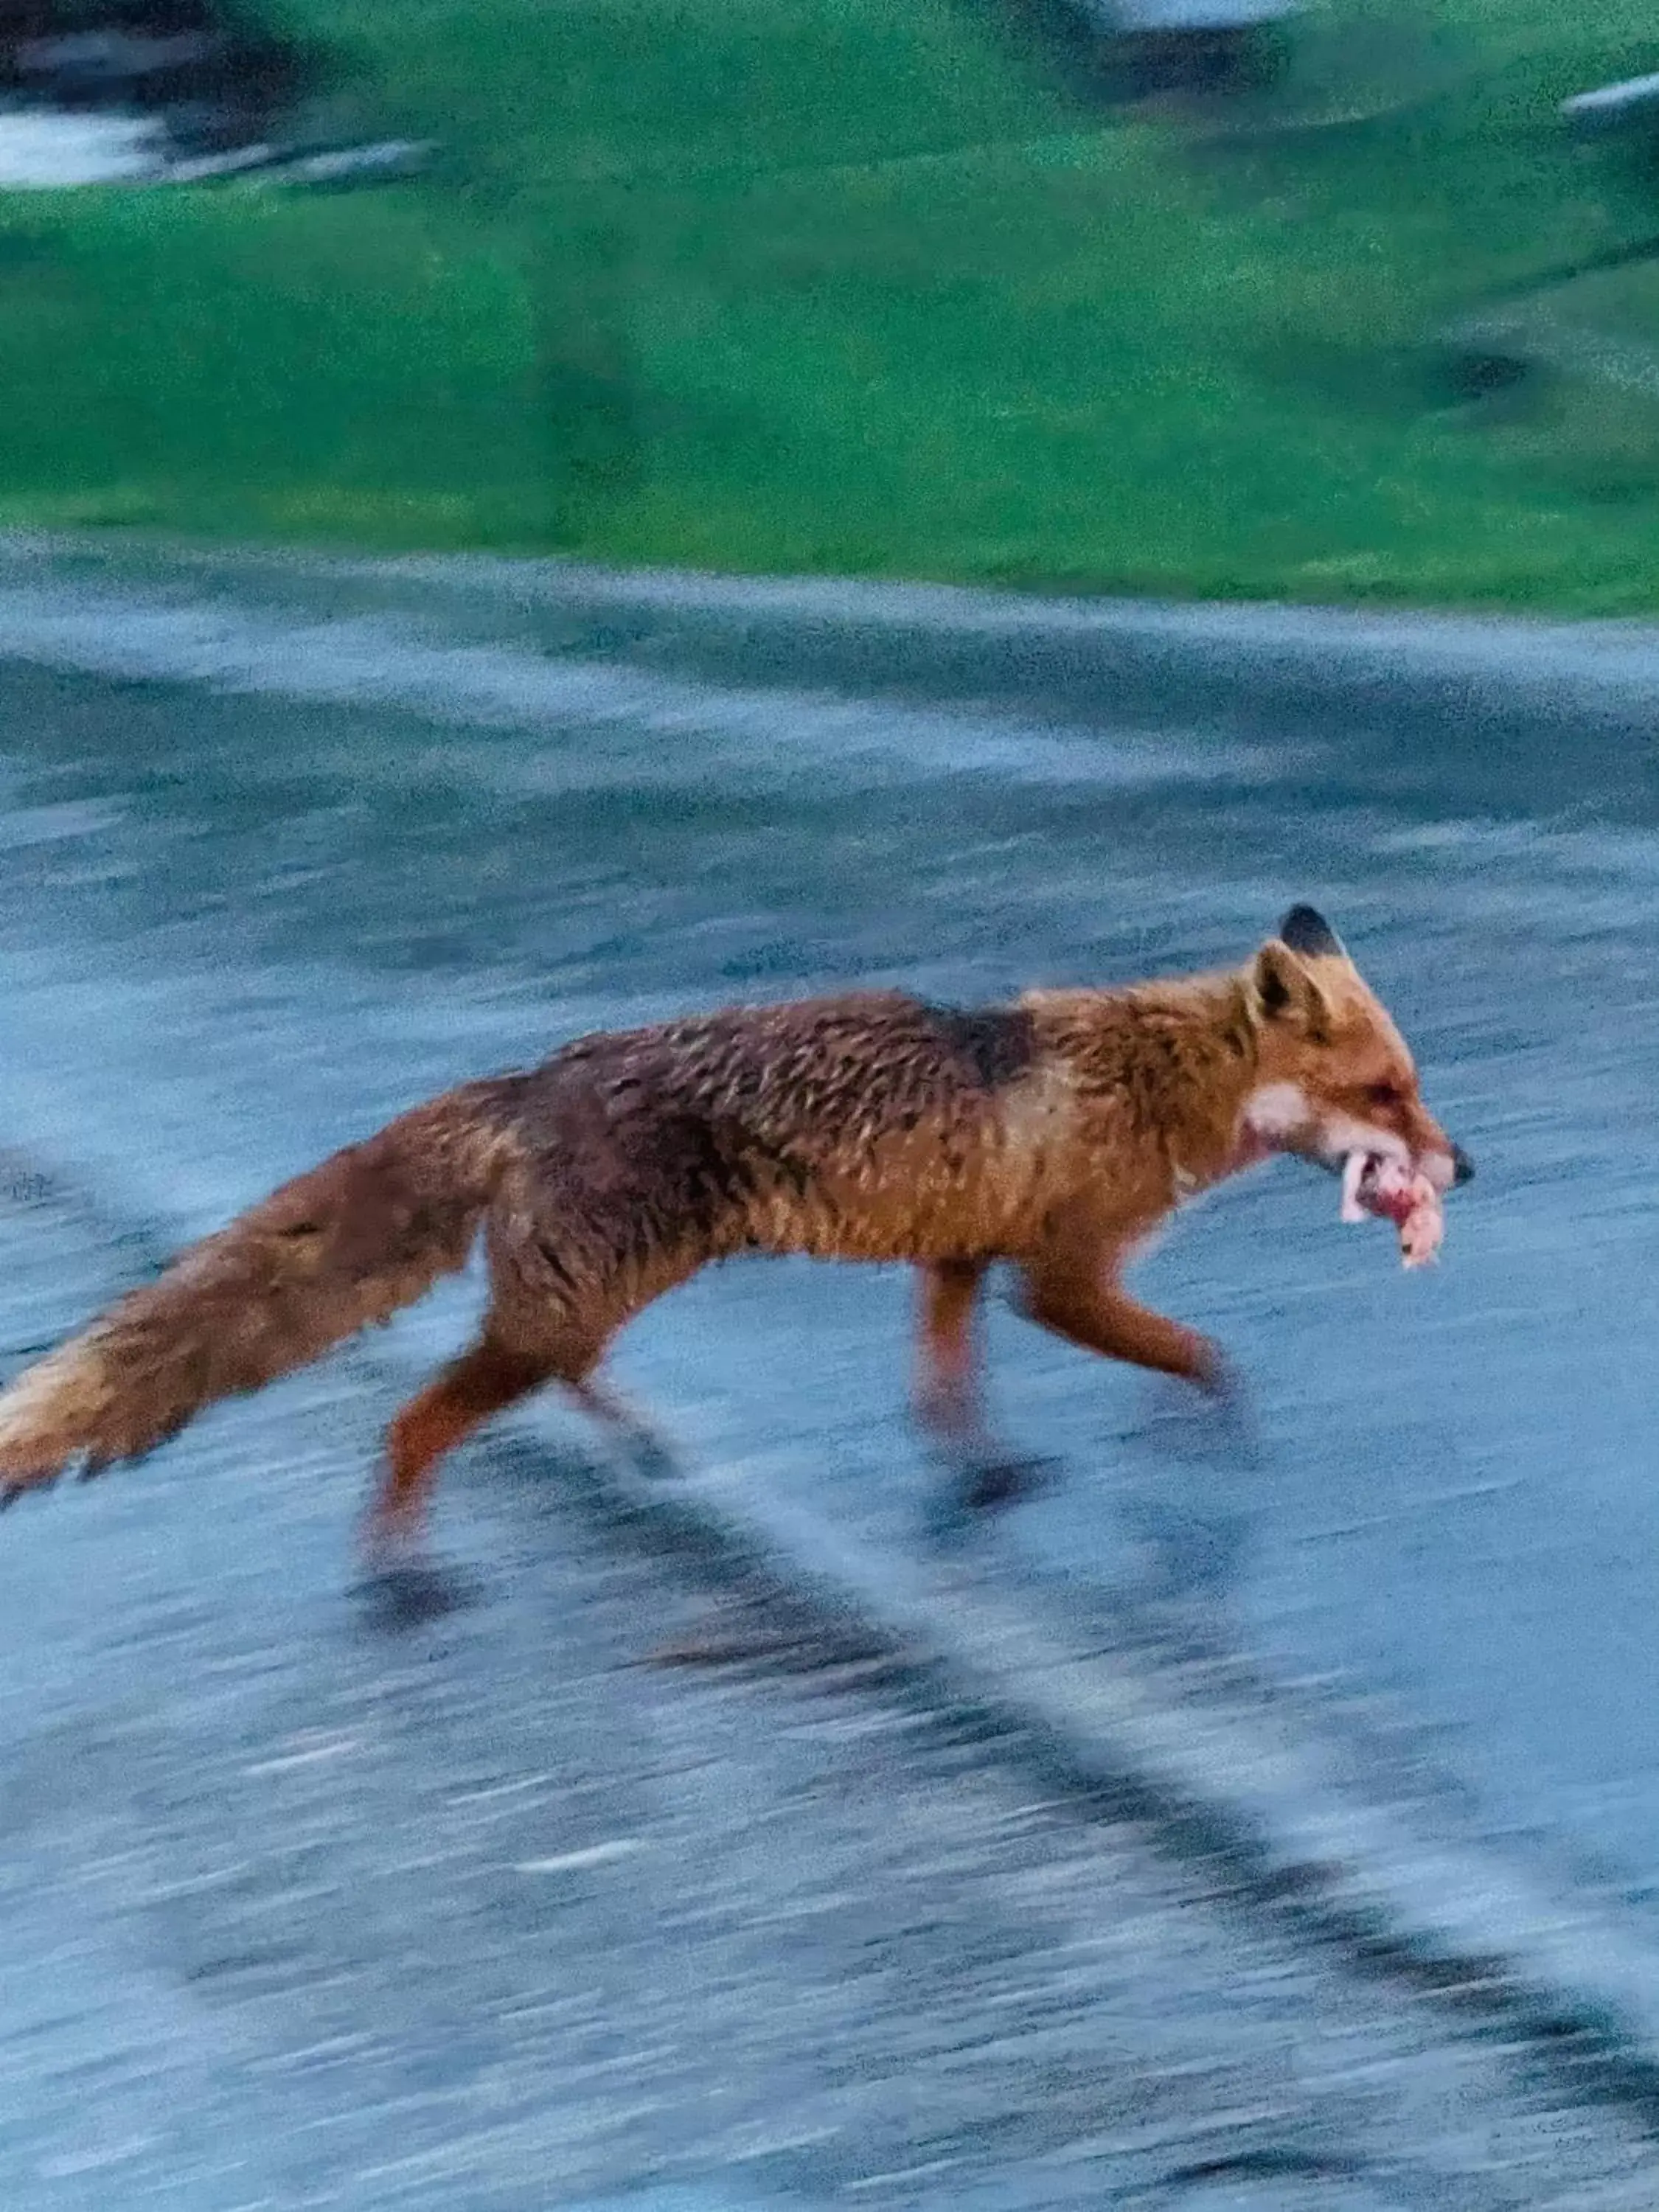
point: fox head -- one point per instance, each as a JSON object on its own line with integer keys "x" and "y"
{"x": 1334, "y": 1076}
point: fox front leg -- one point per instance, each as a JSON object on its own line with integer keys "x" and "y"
{"x": 1197, "y": 1542}
{"x": 1075, "y": 1295}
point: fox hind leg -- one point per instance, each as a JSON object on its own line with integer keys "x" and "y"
{"x": 983, "y": 1474}
{"x": 483, "y": 1382}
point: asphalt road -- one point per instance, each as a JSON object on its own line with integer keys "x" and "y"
{"x": 239, "y": 925}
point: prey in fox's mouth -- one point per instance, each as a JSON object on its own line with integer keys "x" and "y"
{"x": 1374, "y": 1184}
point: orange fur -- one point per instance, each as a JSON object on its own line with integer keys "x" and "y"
{"x": 1054, "y": 1133}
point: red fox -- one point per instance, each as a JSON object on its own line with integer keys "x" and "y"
{"x": 1054, "y": 1134}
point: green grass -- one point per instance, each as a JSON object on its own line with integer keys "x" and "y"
{"x": 852, "y": 285}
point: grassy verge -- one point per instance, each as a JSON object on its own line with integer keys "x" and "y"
{"x": 850, "y": 284}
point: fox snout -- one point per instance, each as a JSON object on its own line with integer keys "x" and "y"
{"x": 1447, "y": 1165}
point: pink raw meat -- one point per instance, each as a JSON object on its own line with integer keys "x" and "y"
{"x": 1372, "y": 1185}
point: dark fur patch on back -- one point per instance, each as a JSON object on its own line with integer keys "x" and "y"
{"x": 998, "y": 1043}
{"x": 690, "y": 1174}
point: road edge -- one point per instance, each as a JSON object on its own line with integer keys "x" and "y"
{"x": 1474, "y": 671}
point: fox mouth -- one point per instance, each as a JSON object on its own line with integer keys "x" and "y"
{"x": 1364, "y": 1171}
{"x": 1370, "y": 1174}
{"x": 1375, "y": 1183}
{"x": 1379, "y": 1185}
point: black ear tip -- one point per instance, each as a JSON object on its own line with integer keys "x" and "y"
{"x": 1307, "y": 932}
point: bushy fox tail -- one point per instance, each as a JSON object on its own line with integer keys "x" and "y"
{"x": 369, "y": 1232}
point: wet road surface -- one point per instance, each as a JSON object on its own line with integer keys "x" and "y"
{"x": 238, "y": 929}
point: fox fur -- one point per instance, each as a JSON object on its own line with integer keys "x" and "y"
{"x": 1054, "y": 1134}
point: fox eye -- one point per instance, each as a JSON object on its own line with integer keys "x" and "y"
{"x": 1383, "y": 1094}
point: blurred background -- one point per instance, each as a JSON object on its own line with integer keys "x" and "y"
{"x": 312, "y": 802}
{"x": 1330, "y": 301}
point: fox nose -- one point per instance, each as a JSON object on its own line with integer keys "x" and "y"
{"x": 1462, "y": 1165}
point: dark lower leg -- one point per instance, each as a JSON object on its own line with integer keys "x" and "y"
{"x": 946, "y": 1394}
{"x": 639, "y": 1442}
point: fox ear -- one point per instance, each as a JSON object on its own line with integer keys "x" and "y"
{"x": 1286, "y": 990}
{"x": 1307, "y": 932}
